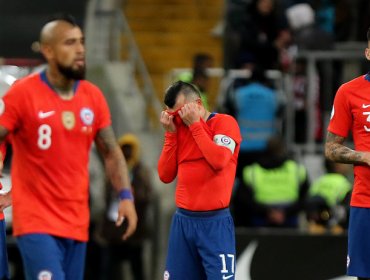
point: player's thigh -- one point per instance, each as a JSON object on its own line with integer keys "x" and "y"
{"x": 217, "y": 249}
{"x": 74, "y": 258}
{"x": 48, "y": 256}
{"x": 41, "y": 257}
{"x": 183, "y": 261}
{"x": 359, "y": 243}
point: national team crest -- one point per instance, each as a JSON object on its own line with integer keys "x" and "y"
{"x": 68, "y": 119}
{"x": 87, "y": 116}
{"x": 45, "y": 275}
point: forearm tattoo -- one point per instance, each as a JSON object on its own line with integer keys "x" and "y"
{"x": 115, "y": 163}
{"x": 336, "y": 151}
{"x": 106, "y": 140}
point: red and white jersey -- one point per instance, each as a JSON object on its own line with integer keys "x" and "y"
{"x": 351, "y": 112}
{"x": 51, "y": 140}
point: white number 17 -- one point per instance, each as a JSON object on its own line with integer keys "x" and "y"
{"x": 231, "y": 257}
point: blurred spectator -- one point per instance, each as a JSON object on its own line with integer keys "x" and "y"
{"x": 97, "y": 183}
{"x": 115, "y": 250}
{"x": 307, "y": 35}
{"x": 254, "y": 27}
{"x": 236, "y": 17}
{"x": 344, "y": 18}
{"x": 327, "y": 204}
{"x": 334, "y": 17}
{"x": 199, "y": 75}
{"x": 263, "y": 36}
{"x": 256, "y": 107}
{"x": 363, "y": 19}
{"x": 273, "y": 191}
{"x": 300, "y": 88}
{"x": 325, "y": 14}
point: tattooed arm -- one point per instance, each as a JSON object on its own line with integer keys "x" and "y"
{"x": 115, "y": 163}
{"x": 117, "y": 172}
{"x": 336, "y": 151}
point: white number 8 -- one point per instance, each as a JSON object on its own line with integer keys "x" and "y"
{"x": 44, "y": 140}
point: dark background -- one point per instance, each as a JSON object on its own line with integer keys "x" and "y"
{"x": 21, "y": 21}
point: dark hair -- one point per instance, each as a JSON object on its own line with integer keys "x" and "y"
{"x": 63, "y": 17}
{"x": 368, "y": 35}
{"x": 175, "y": 89}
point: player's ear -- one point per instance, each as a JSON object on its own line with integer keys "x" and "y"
{"x": 367, "y": 53}
{"x": 46, "y": 51}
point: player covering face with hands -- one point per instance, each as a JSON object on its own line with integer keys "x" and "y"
{"x": 200, "y": 149}
{"x": 53, "y": 117}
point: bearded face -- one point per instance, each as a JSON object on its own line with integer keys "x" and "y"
{"x": 72, "y": 72}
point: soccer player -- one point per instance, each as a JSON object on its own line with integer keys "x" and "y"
{"x": 351, "y": 111}
{"x": 52, "y": 118}
{"x": 201, "y": 150}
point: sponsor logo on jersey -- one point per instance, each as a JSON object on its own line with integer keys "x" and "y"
{"x": 43, "y": 115}
{"x": 68, "y": 119}
{"x": 87, "y": 116}
{"x": 44, "y": 275}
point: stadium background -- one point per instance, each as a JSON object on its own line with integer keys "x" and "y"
{"x": 134, "y": 49}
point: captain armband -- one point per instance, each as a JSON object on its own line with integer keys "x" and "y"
{"x": 225, "y": 141}
{"x": 126, "y": 194}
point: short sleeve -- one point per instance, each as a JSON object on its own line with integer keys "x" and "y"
{"x": 9, "y": 115}
{"x": 103, "y": 118}
{"x": 341, "y": 118}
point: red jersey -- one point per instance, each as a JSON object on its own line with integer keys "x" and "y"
{"x": 51, "y": 140}
{"x": 205, "y": 170}
{"x": 351, "y": 112}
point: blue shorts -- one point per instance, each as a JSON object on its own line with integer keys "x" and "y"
{"x": 52, "y": 257}
{"x": 4, "y": 271}
{"x": 201, "y": 246}
{"x": 358, "y": 259}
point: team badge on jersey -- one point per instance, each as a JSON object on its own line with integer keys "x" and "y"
{"x": 87, "y": 116}
{"x": 226, "y": 141}
{"x": 44, "y": 275}
{"x": 68, "y": 119}
{"x": 166, "y": 275}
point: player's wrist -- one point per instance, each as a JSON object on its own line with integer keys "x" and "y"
{"x": 125, "y": 194}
